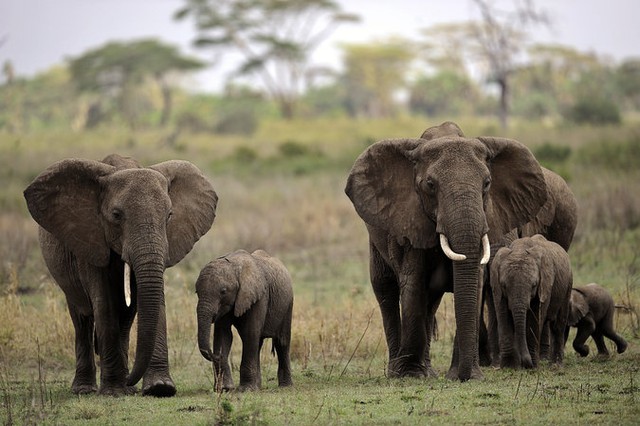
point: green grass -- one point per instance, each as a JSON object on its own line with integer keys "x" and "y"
{"x": 281, "y": 189}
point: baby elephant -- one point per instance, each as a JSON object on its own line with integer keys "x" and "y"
{"x": 531, "y": 282}
{"x": 591, "y": 311}
{"x": 253, "y": 293}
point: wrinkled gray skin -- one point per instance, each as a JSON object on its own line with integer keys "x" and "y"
{"x": 556, "y": 221}
{"x": 253, "y": 293}
{"x": 95, "y": 216}
{"x": 591, "y": 312}
{"x": 411, "y": 191}
{"x": 531, "y": 282}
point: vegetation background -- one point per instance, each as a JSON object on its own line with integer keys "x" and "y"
{"x": 280, "y": 173}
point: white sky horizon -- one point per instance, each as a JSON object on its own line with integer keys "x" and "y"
{"x": 39, "y": 34}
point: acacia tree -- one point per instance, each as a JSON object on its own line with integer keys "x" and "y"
{"x": 116, "y": 69}
{"x": 274, "y": 38}
{"x": 374, "y": 72}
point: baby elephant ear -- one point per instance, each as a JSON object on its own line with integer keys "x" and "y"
{"x": 252, "y": 285}
{"x": 579, "y": 307}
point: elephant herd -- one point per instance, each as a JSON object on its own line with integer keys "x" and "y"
{"x": 478, "y": 217}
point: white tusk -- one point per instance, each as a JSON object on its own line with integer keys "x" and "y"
{"x": 444, "y": 243}
{"x": 127, "y": 284}
{"x": 486, "y": 250}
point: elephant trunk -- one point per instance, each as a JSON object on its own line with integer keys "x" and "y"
{"x": 466, "y": 230}
{"x": 519, "y": 312}
{"x": 149, "y": 273}
{"x": 205, "y": 319}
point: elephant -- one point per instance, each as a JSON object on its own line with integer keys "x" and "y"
{"x": 556, "y": 221}
{"x": 108, "y": 229}
{"x": 431, "y": 207}
{"x": 531, "y": 280}
{"x": 591, "y": 312}
{"x": 253, "y": 293}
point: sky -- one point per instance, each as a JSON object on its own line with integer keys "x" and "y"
{"x": 38, "y": 34}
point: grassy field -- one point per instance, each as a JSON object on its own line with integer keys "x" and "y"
{"x": 282, "y": 190}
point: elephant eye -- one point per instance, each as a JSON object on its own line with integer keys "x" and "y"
{"x": 428, "y": 185}
{"x": 169, "y": 216}
{"x": 487, "y": 185}
{"x": 117, "y": 215}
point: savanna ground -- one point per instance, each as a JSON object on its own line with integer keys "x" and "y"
{"x": 282, "y": 190}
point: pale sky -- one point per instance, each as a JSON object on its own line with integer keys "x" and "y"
{"x": 38, "y": 34}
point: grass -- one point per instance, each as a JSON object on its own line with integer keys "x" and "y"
{"x": 282, "y": 190}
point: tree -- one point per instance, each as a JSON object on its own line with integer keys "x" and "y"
{"x": 373, "y": 75}
{"x": 445, "y": 92}
{"x": 274, "y": 38}
{"x": 115, "y": 70}
{"x": 499, "y": 38}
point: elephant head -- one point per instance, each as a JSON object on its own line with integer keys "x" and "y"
{"x": 451, "y": 191}
{"x": 229, "y": 284}
{"x": 145, "y": 219}
{"x": 578, "y": 307}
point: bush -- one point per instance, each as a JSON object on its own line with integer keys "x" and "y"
{"x": 616, "y": 155}
{"x": 595, "y": 111}
{"x": 291, "y": 149}
{"x": 238, "y": 121}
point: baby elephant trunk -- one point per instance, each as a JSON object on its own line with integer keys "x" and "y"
{"x": 205, "y": 319}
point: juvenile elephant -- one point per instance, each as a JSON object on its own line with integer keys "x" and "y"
{"x": 531, "y": 281}
{"x": 253, "y": 293}
{"x": 432, "y": 206}
{"x": 108, "y": 230}
{"x": 591, "y": 312}
{"x": 556, "y": 221}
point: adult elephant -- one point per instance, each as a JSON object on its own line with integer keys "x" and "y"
{"x": 108, "y": 229}
{"x": 431, "y": 206}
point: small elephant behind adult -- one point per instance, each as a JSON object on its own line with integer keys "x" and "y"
{"x": 531, "y": 281}
{"x": 252, "y": 292}
{"x": 591, "y": 312}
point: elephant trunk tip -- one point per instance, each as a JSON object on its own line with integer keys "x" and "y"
{"x": 207, "y": 354}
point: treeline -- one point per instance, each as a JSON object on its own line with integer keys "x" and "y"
{"x": 484, "y": 68}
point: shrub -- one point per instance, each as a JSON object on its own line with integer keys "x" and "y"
{"x": 595, "y": 110}
{"x": 237, "y": 121}
{"x": 291, "y": 149}
{"x": 616, "y": 155}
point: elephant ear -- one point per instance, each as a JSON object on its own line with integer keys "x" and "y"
{"x": 381, "y": 187}
{"x": 448, "y": 128}
{"x": 518, "y": 188}
{"x": 65, "y": 200}
{"x": 252, "y": 285}
{"x": 547, "y": 272}
{"x": 193, "y": 204}
{"x": 578, "y": 307}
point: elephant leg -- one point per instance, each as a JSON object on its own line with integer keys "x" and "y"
{"x": 156, "y": 380}
{"x": 598, "y": 337}
{"x": 84, "y": 381}
{"x": 557, "y": 341}
{"x": 222, "y": 340}
{"x": 250, "y": 375}
{"x": 492, "y": 351}
{"x": 410, "y": 360}
{"x": 387, "y": 292}
{"x": 585, "y": 328}
{"x": 537, "y": 333}
{"x": 431, "y": 326}
{"x": 284, "y": 363}
{"x": 609, "y": 332}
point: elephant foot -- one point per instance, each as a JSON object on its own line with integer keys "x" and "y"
{"x": 621, "y": 347}
{"x": 476, "y": 373}
{"x": 582, "y": 350}
{"x": 84, "y": 389}
{"x": 116, "y": 391}
{"x": 158, "y": 384}
{"x": 248, "y": 387}
{"x": 397, "y": 369}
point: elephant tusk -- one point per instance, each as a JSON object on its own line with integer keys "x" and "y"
{"x": 486, "y": 250}
{"x": 127, "y": 284}
{"x": 444, "y": 243}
